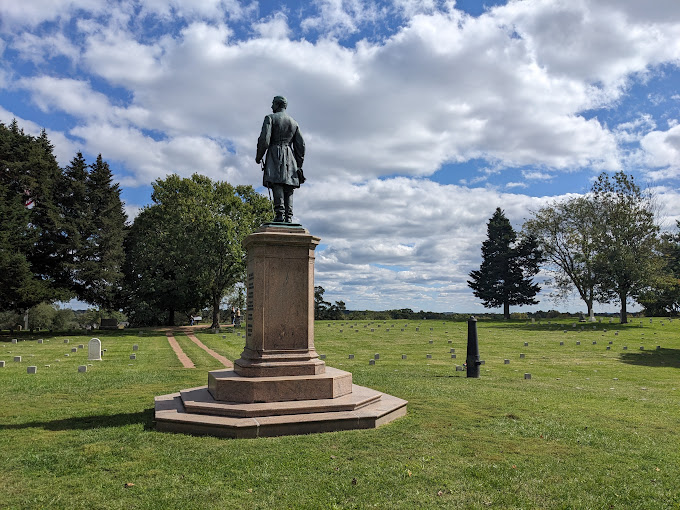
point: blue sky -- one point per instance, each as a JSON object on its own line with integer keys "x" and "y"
{"x": 420, "y": 117}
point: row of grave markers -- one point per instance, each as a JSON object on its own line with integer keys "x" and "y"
{"x": 95, "y": 353}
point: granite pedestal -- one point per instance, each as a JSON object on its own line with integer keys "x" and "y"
{"x": 278, "y": 386}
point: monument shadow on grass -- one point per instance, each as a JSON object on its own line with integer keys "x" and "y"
{"x": 89, "y": 422}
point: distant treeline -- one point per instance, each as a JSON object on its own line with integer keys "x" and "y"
{"x": 408, "y": 314}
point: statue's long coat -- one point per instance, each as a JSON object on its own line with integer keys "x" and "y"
{"x": 281, "y": 139}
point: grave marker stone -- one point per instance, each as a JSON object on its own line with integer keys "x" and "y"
{"x": 376, "y": 356}
{"x": 371, "y": 362}
{"x": 578, "y": 343}
{"x": 2, "y": 363}
{"x": 351, "y": 356}
{"x": 453, "y": 356}
{"x": 506, "y": 361}
{"x": 609, "y": 347}
{"x": 82, "y": 368}
{"x": 81, "y": 346}
{"x": 459, "y": 368}
{"x": 14, "y": 340}
{"x": 403, "y": 356}
{"x": 452, "y": 349}
{"x": 428, "y": 356}
{"x": 66, "y": 341}
{"x": 322, "y": 356}
{"x": 625, "y": 347}
{"x": 522, "y": 356}
{"x": 431, "y": 341}
{"x": 40, "y": 340}
{"x": 31, "y": 370}
{"x": 527, "y": 376}
{"x": 133, "y": 356}
{"x": 17, "y": 359}
{"x": 135, "y": 347}
{"x": 74, "y": 349}
{"x": 561, "y": 343}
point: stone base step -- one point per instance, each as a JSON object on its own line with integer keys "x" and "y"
{"x": 172, "y": 416}
{"x": 200, "y": 400}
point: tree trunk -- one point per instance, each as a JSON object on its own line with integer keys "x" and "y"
{"x": 216, "y": 311}
{"x": 506, "y": 310}
{"x": 171, "y": 316}
{"x": 624, "y": 313}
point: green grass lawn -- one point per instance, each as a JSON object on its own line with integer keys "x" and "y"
{"x": 593, "y": 428}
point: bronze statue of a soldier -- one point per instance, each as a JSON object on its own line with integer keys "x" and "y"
{"x": 281, "y": 140}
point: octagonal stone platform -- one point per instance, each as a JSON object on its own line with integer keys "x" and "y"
{"x": 194, "y": 412}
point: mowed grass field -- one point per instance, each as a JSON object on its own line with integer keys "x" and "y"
{"x": 592, "y": 428}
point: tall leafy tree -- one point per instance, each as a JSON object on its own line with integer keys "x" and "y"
{"x": 663, "y": 295}
{"x": 627, "y": 239}
{"x": 505, "y": 277}
{"x": 567, "y": 234}
{"x": 195, "y": 254}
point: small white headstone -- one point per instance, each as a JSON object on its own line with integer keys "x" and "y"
{"x": 81, "y": 346}
{"x": 609, "y": 347}
{"x": 403, "y": 356}
{"x": 135, "y": 347}
{"x": 522, "y": 356}
{"x": 14, "y": 340}
{"x": 40, "y": 340}
{"x": 450, "y": 341}
{"x": 507, "y": 361}
{"x": 2, "y": 363}
{"x": 578, "y": 343}
{"x": 17, "y": 359}
{"x": 429, "y": 356}
{"x": 625, "y": 348}
{"x": 642, "y": 348}
{"x": 94, "y": 349}
{"x": 67, "y": 354}
{"x": 452, "y": 349}
{"x": 431, "y": 341}
{"x": 527, "y": 376}
{"x": 658, "y": 347}
{"x": 66, "y": 340}
{"x": 526, "y": 344}
{"x": 594, "y": 342}
{"x": 351, "y": 356}
{"x": 453, "y": 356}
{"x": 74, "y": 349}
{"x": 459, "y": 368}
{"x": 82, "y": 368}
{"x": 133, "y": 356}
{"x": 322, "y": 356}
{"x": 377, "y": 356}
{"x": 371, "y": 362}
{"x": 31, "y": 370}
{"x": 561, "y": 343}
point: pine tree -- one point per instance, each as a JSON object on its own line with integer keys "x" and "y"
{"x": 505, "y": 276}
{"x": 102, "y": 254}
{"x": 32, "y": 237}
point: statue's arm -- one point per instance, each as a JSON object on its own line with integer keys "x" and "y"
{"x": 263, "y": 140}
{"x": 299, "y": 148}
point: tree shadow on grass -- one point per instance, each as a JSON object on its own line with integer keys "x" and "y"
{"x": 656, "y": 358}
{"x": 89, "y": 422}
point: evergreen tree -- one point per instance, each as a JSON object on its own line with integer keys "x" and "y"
{"x": 505, "y": 276}
{"x": 103, "y": 255}
{"x": 33, "y": 241}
